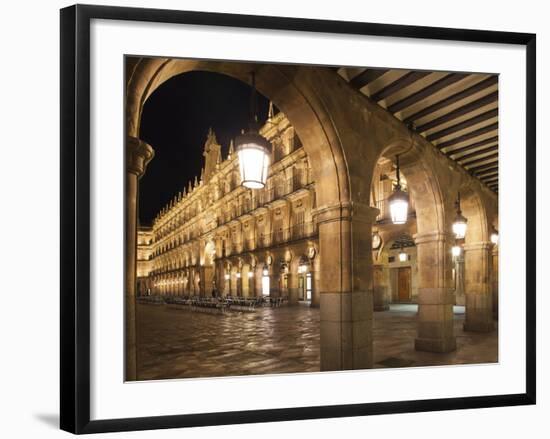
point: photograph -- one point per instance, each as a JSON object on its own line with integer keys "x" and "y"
{"x": 245, "y": 252}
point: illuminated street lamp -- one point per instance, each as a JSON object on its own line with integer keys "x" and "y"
{"x": 302, "y": 266}
{"x": 253, "y": 150}
{"x": 398, "y": 200}
{"x": 456, "y": 250}
{"x": 460, "y": 222}
{"x": 494, "y": 236}
{"x": 402, "y": 255}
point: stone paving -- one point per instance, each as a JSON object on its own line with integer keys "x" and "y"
{"x": 174, "y": 342}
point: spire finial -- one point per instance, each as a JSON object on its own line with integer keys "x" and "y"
{"x": 270, "y": 113}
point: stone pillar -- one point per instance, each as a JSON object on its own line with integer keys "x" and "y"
{"x": 479, "y": 295}
{"x": 460, "y": 298}
{"x": 380, "y": 277}
{"x": 293, "y": 291}
{"x": 346, "y": 286}
{"x": 316, "y": 282}
{"x": 435, "y": 331}
{"x": 273, "y": 284}
{"x": 494, "y": 279}
{"x": 251, "y": 283}
{"x": 207, "y": 278}
{"x": 138, "y": 155}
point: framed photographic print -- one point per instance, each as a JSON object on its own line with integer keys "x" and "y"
{"x": 269, "y": 218}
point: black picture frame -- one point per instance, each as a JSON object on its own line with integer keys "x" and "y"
{"x": 75, "y": 218}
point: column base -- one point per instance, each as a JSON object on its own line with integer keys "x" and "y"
{"x": 479, "y": 326}
{"x": 293, "y": 296}
{"x": 435, "y": 344}
{"x": 346, "y": 331}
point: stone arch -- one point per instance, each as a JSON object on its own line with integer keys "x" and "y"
{"x": 474, "y": 209}
{"x": 418, "y": 167}
{"x": 479, "y": 281}
{"x": 287, "y": 86}
{"x": 421, "y": 166}
{"x": 342, "y": 133}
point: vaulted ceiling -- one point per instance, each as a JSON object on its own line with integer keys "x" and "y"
{"x": 456, "y": 112}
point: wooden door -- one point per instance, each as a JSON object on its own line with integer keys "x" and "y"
{"x": 404, "y": 284}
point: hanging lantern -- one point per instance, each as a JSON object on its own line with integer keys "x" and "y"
{"x": 265, "y": 270}
{"x": 302, "y": 266}
{"x": 250, "y": 274}
{"x": 402, "y": 255}
{"x": 456, "y": 250}
{"x": 398, "y": 201}
{"x": 460, "y": 222}
{"x": 253, "y": 150}
{"x": 494, "y": 236}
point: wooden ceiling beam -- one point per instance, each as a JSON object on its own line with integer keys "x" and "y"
{"x": 480, "y": 168}
{"x": 398, "y": 84}
{"x": 438, "y": 85}
{"x": 463, "y": 125}
{"x": 461, "y": 111}
{"x": 472, "y": 146}
{"x": 468, "y": 136}
{"x": 477, "y": 153}
{"x": 479, "y": 160}
{"x": 486, "y": 83}
{"x": 487, "y": 172}
{"x": 366, "y": 77}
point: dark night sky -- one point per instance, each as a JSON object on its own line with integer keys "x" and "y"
{"x": 175, "y": 121}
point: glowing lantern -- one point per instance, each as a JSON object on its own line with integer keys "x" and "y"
{"x": 460, "y": 222}
{"x": 253, "y": 150}
{"x": 398, "y": 201}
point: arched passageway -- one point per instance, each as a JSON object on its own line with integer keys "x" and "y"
{"x": 343, "y": 221}
{"x": 344, "y": 135}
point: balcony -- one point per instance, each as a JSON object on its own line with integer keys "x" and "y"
{"x": 299, "y": 231}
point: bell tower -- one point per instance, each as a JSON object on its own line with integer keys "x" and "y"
{"x": 212, "y": 155}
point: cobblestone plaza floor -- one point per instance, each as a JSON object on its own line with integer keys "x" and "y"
{"x": 174, "y": 342}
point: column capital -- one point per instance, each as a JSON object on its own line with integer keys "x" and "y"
{"x": 138, "y": 155}
{"x": 433, "y": 236}
{"x": 346, "y": 211}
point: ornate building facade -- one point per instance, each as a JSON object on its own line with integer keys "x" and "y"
{"x": 219, "y": 238}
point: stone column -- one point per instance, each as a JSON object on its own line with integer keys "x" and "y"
{"x": 479, "y": 295}
{"x": 435, "y": 332}
{"x": 292, "y": 280}
{"x": 380, "y": 287}
{"x": 207, "y": 277}
{"x": 460, "y": 298}
{"x": 346, "y": 286}
{"x": 138, "y": 155}
{"x": 252, "y": 283}
{"x": 494, "y": 279}
{"x": 315, "y": 282}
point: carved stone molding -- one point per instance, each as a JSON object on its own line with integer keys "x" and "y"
{"x": 138, "y": 155}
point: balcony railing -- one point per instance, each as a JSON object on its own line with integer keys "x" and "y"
{"x": 299, "y": 231}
